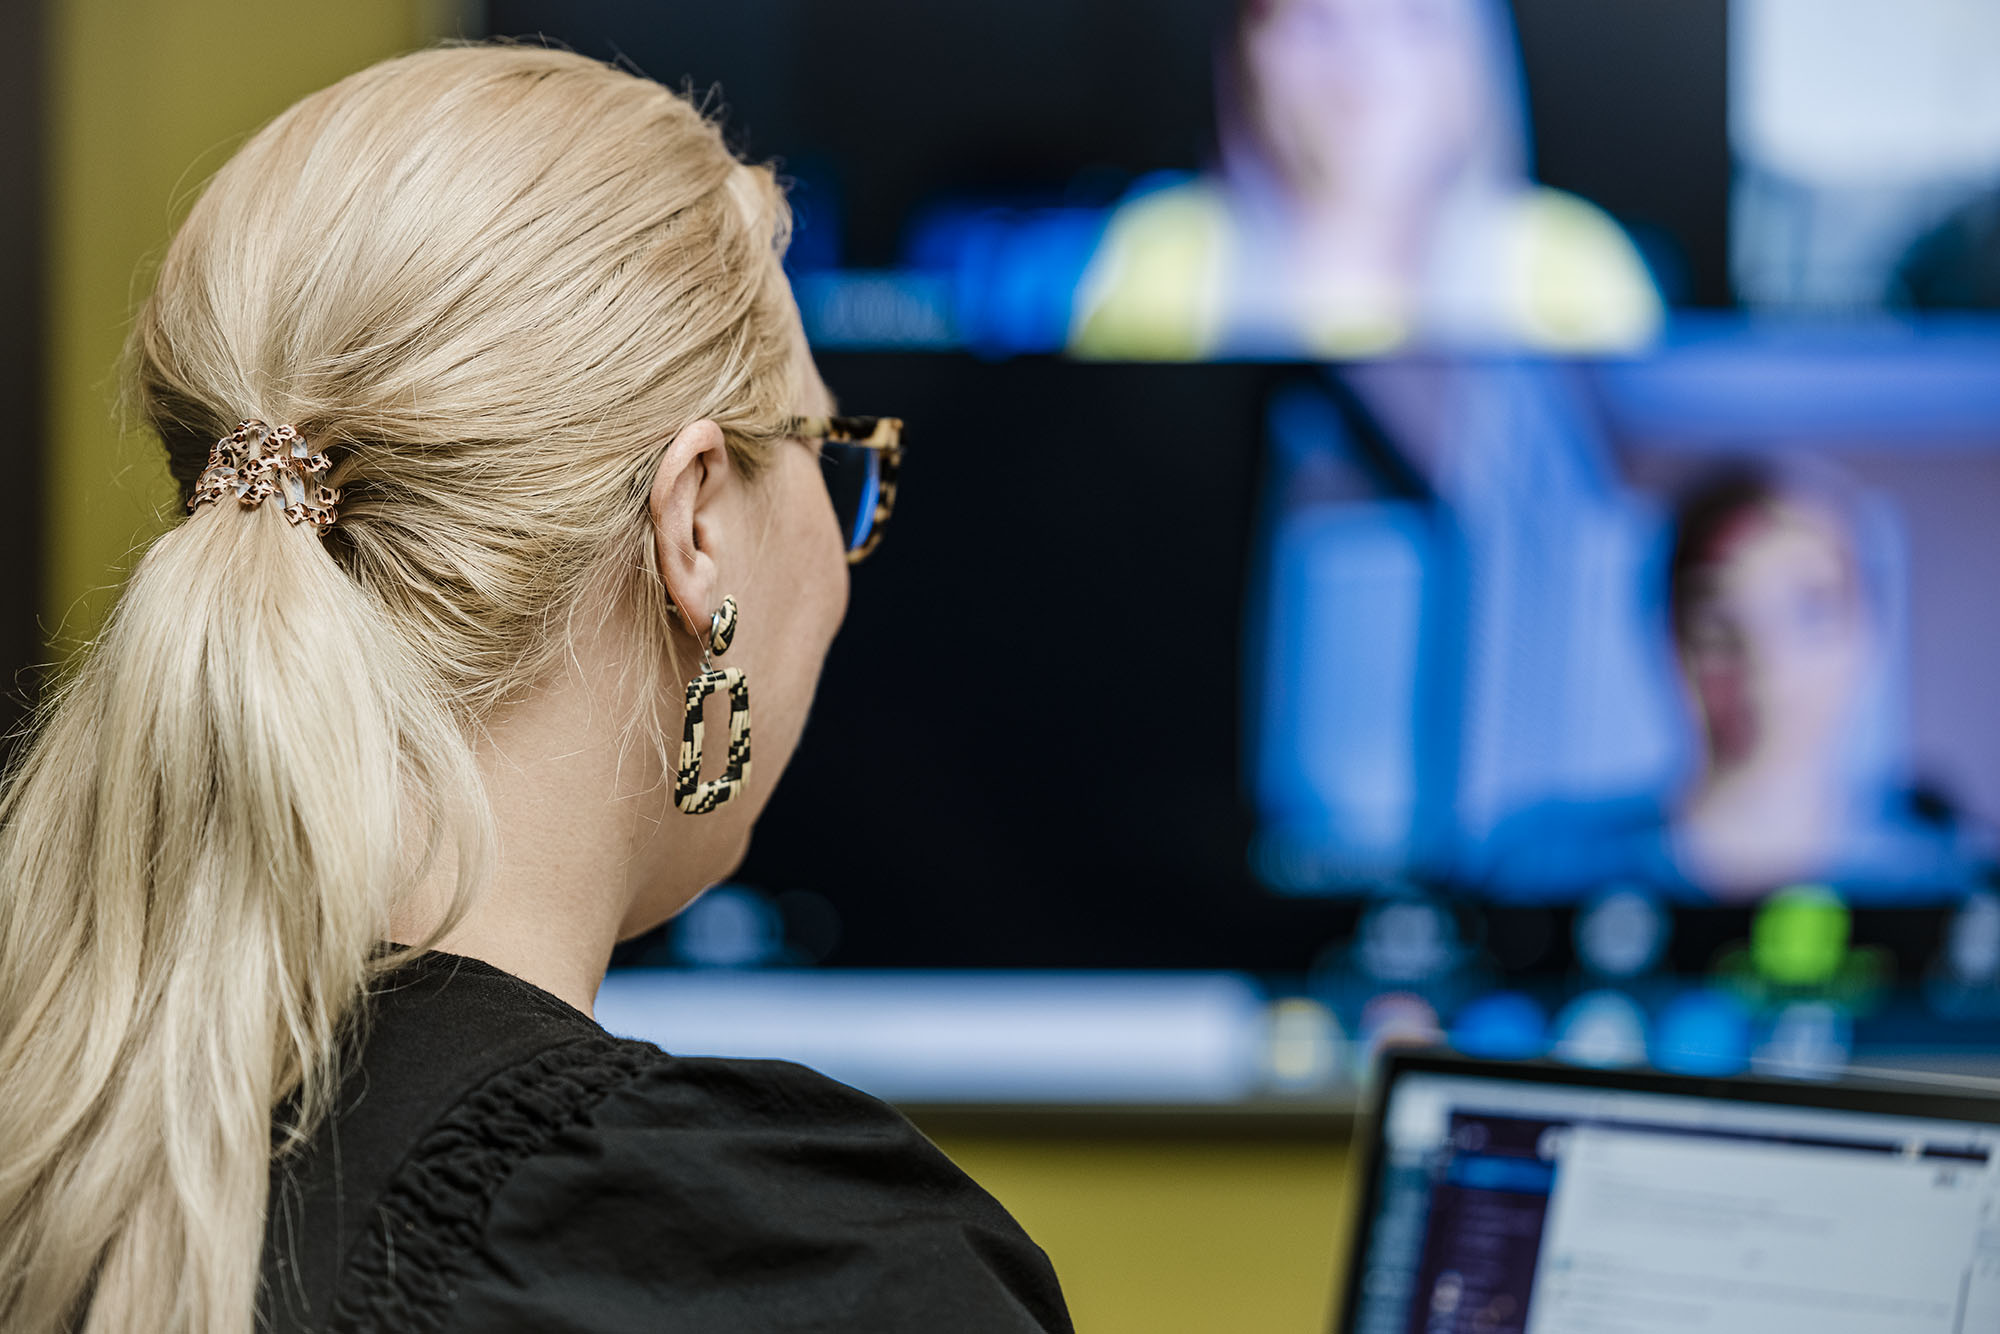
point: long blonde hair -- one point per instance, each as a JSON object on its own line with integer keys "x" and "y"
{"x": 491, "y": 282}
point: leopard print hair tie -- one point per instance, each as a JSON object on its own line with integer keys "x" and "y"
{"x": 255, "y": 461}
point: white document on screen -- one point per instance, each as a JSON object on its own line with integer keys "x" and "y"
{"x": 1656, "y": 1232}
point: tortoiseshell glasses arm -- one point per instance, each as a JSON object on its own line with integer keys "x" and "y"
{"x": 884, "y": 435}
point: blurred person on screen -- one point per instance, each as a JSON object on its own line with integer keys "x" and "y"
{"x": 1371, "y": 192}
{"x": 1776, "y": 639}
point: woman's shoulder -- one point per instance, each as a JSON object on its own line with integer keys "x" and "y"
{"x": 571, "y": 1179}
{"x": 705, "y": 1193}
{"x": 460, "y": 1070}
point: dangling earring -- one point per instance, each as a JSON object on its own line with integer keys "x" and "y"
{"x": 691, "y": 794}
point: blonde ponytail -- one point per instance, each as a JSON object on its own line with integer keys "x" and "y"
{"x": 249, "y": 744}
{"x": 491, "y": 282}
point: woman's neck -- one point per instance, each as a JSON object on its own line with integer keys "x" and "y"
{"x": 577, "y": 838}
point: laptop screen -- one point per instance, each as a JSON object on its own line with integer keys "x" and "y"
{"x": 1547, "y": 1207}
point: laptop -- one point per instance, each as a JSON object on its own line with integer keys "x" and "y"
{"x": 1538, "y": 1199}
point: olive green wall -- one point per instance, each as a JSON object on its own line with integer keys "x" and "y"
{"x": 149, "y": 96}
{"x": 1159, "y": 1236}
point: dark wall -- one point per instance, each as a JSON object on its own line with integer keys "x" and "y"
{"x": 23, "y": 431}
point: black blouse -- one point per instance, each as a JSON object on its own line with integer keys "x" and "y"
{"x": 498, "y": 1162}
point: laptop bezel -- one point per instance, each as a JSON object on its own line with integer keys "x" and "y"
{"x": 1886, "y": 1097}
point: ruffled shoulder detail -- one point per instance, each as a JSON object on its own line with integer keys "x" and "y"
{"x": 403, "y": 1275}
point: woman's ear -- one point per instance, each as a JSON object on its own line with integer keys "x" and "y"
{"x": 690, "y": 488}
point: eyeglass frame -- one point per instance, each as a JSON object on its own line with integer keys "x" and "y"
{"x": 881, "y": 434}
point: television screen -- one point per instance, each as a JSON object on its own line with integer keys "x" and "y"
{"x": 1372, "y": 564}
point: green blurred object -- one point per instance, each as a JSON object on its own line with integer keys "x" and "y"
{"x": 1799, "y": 937}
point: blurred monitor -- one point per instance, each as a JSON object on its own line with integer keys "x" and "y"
{"x": 1228, "y": 672}
{"x": 1372, "y": 566}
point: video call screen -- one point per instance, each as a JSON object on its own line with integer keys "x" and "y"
{"x": 1707, "y": 623}
{"x": 1404, "y": 497}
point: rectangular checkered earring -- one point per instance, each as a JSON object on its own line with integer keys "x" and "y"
{"x": 693, "y": 796}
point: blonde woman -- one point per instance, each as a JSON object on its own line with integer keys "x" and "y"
{"x": 501, "y": 442}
